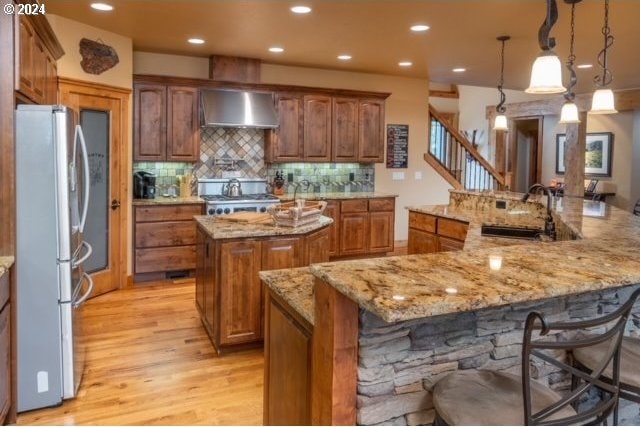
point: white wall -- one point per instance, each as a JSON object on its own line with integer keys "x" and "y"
{"x": 622, "y": 126}
{"x": 473, "y": 110}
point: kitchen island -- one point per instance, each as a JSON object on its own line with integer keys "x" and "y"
{"x": 385, "y": 330}
{"x": 229, "y": 256}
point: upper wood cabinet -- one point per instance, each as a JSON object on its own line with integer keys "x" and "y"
{"x": 165, "y": 123}
{"x": 371, "y": 131}
{"x": 344, "y": 141}
{"x": 36, "y": 66}
{"x": 325, "y": 128}
{"x": 317, "y": 128}
{"x": 285, "y": 143}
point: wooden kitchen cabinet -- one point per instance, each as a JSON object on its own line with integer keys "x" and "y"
{"x": 323, "y": 127}
{"x": 367, "y": 226}
{"x": 371, "y": 131}
{"x": 285, "y": 144}
{"x": 333, "y": 211}
{"x": 429, "y": 234}
{"x": 166, "y": 126}
{"x": 229, "y": 288}
{"x": 288, "y": 349}
{"x": 5, "y": 348}
{"x": 317, "y": 128}
{"x": 281, "y": 253}
{"x": 344, "y": 140}
{"x": 164, "y": 240}
{"x": 37, "y": 69}
{"x": 240, "y": 292}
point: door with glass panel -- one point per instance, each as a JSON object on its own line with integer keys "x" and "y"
{"x": 102, "y": 121}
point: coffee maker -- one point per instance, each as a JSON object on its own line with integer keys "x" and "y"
{"x": 144, "y": 185}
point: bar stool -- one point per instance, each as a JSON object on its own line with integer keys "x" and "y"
{"x": 636, "y": 208}
{"x": 496, "y": 398}
{"x": 587, "y": 359}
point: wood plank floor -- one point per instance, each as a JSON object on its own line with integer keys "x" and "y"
{"x": 149, "y": 362}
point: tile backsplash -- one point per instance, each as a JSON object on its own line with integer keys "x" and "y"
{"x": 226, "y": 152}
{"x": 229, "y": 149}
{"x": 327, "y": 177}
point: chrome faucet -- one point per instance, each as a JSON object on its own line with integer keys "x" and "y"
{"x": 304, "y": 182}
{"x": 549, "y": 224}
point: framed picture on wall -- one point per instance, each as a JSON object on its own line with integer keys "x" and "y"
{"x": 598, "y": 157}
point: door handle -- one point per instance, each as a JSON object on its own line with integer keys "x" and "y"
{"x": 115, "y": 204}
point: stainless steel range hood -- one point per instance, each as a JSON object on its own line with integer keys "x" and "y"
{"x": 233, "y": 108}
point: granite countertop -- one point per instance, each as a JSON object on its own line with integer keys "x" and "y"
{"x": 338, "y": 196}
{"x": 5, "y": 263}
{"x": 221, "y": 229}
{"x": 187, "y": 200}
{"x": 416, "y": 286}
{"x": 295, "y": 286}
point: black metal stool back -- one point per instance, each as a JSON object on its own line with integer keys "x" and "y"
{"x": 597, "y": 413}
{"x": 636, "y": 208}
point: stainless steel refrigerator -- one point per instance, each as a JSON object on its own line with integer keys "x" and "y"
{"x": 52, "y": 195}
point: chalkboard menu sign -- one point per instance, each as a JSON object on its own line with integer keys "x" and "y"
{"x": 397, "y": 146}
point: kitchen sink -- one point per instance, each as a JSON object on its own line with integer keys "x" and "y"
{"x": 511, "y": 232}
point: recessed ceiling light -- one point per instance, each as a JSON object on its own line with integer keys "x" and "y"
{"x": 102, "y": 7}
{"x": 583, "y": 66}
{"x": 419, "y": 28}
{"x": 459, "y": 70}
{"x": 301, "y": 9}
{"x": 405, "y": 63}
{"x": 276, "y": 49}
{"x": 344, "y": 57}
{"x": 196, "y": 41}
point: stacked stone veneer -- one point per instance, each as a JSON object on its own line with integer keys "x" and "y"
{"x": 399, "y": 363}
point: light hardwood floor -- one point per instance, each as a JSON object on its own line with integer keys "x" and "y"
{"x": 150, "y": 362}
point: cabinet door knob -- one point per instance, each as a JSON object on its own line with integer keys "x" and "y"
{"x": 115, "y": 204}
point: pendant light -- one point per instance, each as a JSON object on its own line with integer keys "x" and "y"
{"x": 500, "y": 122}
{"x": 546, "y": 73}
{"x": 569, "y": 113}
{"x": 603, "y": 102}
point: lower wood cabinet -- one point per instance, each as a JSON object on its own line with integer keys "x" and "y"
{"x": 288, "y": 348}
{"x": 366, "y": 226}
{"x": 5, "y": 348}
{"x": 164, "y": 239}
{"x": 430, "y": 234}
{"x": 229, "y": 294}
{"x": 333, "y": 211}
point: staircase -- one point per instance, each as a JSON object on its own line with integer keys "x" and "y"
{"x": 455, "y": 158}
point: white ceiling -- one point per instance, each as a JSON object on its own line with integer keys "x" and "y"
{"x": 376, "y": 33}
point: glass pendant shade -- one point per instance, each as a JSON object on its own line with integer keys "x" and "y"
{"x": 569, "y": 113}
{"x": 603, "y": 102}
{"x": 546, "y": 74}
{"x": 500, "y": 122}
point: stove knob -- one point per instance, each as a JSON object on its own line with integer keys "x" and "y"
{"x": 263, "y": 209}
{"x": 211, "y": 211}
{"x": 227, "y": 210}
{"x": 219, "y": 211}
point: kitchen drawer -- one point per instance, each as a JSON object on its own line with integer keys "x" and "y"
{"x": 423, "y": 222}
{"x": 167, "y": 213}
{"x": 454, "y": 229}
{"x": 386, "y": 205}
{"x": 170, "y": 233}
{"x": 4, "y": 289}
{"x": 358, "y": 205}
{"x": 450, "y": 245}
{"x": 165, "y": 259}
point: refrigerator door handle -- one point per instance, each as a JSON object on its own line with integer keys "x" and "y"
{"x": 87, "y": 294}
{"x": 87, "y": 177}
{"x": 86, "y": 256}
